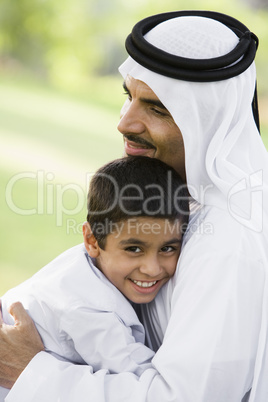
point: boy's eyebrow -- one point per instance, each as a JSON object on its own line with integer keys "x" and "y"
{"x": 132, "y": 240}
{"x": 135, "y": 241}
{"x": 172, "y": 241}
{"x": 155, "y": 102}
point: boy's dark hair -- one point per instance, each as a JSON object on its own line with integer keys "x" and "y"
{"x": 134, "y": 187}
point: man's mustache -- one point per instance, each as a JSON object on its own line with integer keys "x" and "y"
{"x": 139, "y": 140}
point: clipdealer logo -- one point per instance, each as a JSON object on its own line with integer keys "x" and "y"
{"x": 245, "y": 201}
{"x": 50, "y": 197}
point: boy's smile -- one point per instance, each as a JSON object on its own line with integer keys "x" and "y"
{"x": 140, "y": 258}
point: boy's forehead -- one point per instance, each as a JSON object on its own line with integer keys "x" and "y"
{"x": 141, "y": 229}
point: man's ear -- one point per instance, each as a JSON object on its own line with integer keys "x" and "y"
{"x": 90, "y": 241}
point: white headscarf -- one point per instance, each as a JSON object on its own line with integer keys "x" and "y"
{"x": 224, "y": 155}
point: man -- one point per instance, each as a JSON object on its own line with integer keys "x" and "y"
{"x": 190, "y": 82}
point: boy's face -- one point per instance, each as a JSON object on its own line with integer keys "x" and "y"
{"x": 140, "y": 256}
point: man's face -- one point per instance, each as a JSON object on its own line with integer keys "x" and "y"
{"x": 148, "y": 128}
{"x": 140, "y": 256}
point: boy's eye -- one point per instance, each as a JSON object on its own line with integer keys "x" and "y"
{"x": 167, "y": 249}
{"x": 133, "y": 249}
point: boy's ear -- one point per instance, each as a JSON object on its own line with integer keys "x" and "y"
{"x": 90, "y": 241}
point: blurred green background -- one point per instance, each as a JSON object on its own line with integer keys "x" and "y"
{"x": 60, "y": 97}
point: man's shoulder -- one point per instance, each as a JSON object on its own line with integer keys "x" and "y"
{"x": 216, "y": 231}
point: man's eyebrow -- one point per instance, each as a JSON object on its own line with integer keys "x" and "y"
{"x": 155, "y": 102}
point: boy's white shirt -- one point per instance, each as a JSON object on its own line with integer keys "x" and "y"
{"x": 81, "y": 316}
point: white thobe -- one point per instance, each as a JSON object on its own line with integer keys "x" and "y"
{"x": 81, "y": 317}
{"x": 215, "y": 346}
{"x": 209, "y": 316}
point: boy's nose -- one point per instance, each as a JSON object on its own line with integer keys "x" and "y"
{"x": 151, "y": 267}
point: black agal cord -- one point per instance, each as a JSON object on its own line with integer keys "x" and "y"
{"x": 195, "y": 70}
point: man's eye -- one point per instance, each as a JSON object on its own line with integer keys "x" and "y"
{"x": 128, "y": 95}
{"x": 158, "y": 112}
{"x": 133, "y": 249}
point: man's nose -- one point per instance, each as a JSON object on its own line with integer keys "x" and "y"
{"x": 131, "y": 121}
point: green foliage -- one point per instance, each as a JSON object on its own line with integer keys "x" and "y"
{"x": 25, "y": 33}
{"x": 67, "y": 41}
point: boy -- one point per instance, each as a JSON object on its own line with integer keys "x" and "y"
{"x": 81, "y": 301}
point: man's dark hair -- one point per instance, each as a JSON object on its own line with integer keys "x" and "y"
{"x": 133, "y": 187}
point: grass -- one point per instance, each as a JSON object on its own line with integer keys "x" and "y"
{"x": 50, "y": 144}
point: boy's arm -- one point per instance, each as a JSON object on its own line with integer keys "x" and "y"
{"x": 18, "y": 345}
{"x": 104, "y": 341}
{"x": 43, "y": 375}
{"x": 111, "y": 344}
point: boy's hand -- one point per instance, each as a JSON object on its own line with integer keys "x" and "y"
{"x": 18, "y": 344}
